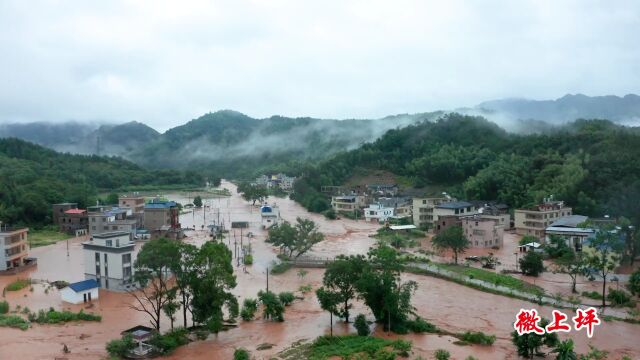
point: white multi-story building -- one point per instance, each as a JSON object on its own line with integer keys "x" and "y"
{"x": 14, "y": 247}
{"x": 423, "y": 210}
{"x": 378, "y": 212}
{"x": 108, "y": 258}
{"x": 270, "y": 215}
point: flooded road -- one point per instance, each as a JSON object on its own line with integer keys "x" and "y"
{"x": 448, "y": 305}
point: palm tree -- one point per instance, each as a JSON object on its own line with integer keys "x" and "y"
{"x": 565, "y": 351}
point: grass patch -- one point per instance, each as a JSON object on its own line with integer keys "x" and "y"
{"x": 46, "y": 236}
{"x": 280, "y": 268}
{"x": 478, "y": 337}
{"x": 13, "y": 321}
{"x": 18, "y": 285}
{"x": 347, "y": 346}
{"x": 493, "y": 278}
{"x": 592, "y": 295}
{"x": 57, "y": 317}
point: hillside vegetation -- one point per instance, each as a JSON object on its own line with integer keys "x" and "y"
{"x": 591, "y": 164}
{"x": 33, "y": 177}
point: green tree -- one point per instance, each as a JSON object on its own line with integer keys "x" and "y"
{"x": 273, "y": 307}
{"x": 295, "y": 240}
{"x": 329, "y": 301}
{"x": 112, "y": 198}
{"x": 529, "y": 345}
{"x": 602, "y": 256}
{"x": 573, "y": 265}
{"x": 634, "y": 283}
{"x": 212, "y": 287}
{"x": 564, "y": 351}
{"x": 185, "y": 271}
{"x": 152, "y": 271}
{"x": 382, "y": 290}
{"x": 340, "y": 279}
{"x": 197, "y": 201}
{"x": 170, "y": 309}
{"x": 531, "y": 264}
{"x": 361, "y": 325}
{"x": 452, "y": 238}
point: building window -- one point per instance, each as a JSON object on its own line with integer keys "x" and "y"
{"x": 109, "y": 243}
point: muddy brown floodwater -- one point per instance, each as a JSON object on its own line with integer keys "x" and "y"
{"x": 448, "y": 305}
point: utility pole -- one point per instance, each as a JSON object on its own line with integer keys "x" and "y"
{"x": 267, "y": 278}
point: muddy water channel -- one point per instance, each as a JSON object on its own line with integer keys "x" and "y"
{"x": 448, "y": 305}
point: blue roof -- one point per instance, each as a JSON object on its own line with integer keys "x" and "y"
{"x": 160, "y": 205}
{"x": 84, "y": 285}
{"x": 454, "y": 205}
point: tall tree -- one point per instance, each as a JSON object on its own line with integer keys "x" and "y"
{"x": 603, "y": 255}
{"x": 329, "y": 301}
{"x": 340, "y": 279}
{"x": 529, "y": 345}
{"x": 185, "y": 272}
{"x": 453, "y": 239}
{"x": 197, "y": 201}
{"x": 295, "y": 240}
{"x": 152, "y": 271}
{"x": 212, "y": 286}
{"x": 573, "y": 265}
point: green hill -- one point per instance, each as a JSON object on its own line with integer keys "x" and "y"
{"x": 33, "y": 177}
{"x": 591, "y": 164}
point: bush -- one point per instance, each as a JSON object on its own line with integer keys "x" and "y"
{"x": 305, "y": 288}
{"x": 280, "y": 268}
{"x": 119, "y": 347}
{"x": 634, "y": 283}
{"x": 13, "y": 321}
{"x": 361, "y": 325}
{"x": 249, "y": 308}
{"x": 403, "y": 347}
{"x": 286, "y": 298}
{"x": 442, "y": 354}
{"x": 619, "y": 297}
{"x": 531, "y": 264}
{"x": 241, "y": 354}
{"x": 18, "y": 285}
{"x": 273, "y": 308}
{"x": 4, "y": 307}
{"x": 330, "y": 214}
{"x": 419, "y": 325}
{"x": 170, "y": 341}
{"x": 55, "y": 317}
{"x": 592, "y": 295}
{"x": 478, "y": 338}
{"x": 248, "y": 259}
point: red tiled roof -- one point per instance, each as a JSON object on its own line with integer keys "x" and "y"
{"x": 75, "y": 211}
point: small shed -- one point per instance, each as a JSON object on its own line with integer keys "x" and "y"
{"x": 405, "y": 228}
{"x": 532, "y": 246}
{"x": 79, "y": 292}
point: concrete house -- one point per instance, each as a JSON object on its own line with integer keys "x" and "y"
{"x": 59, "y": 209}
{"x": 378, "y": 212}
{"x": 14, "y": 248}
{"x": 402, "y": 206}
{"x": 348, "y": 202}
{"x": 80, "y": 292}
{"x": 453, "y": 208}
{"x": 74, "y": 221}
{"x": 535, "y": 220}
{"x": 423, "y": 208}
{"x": 482, "y": 232}
{"x": 108, "y": 259}
{"x": 568, "y": 229}
{"x": 136, "y": 204}
{"x": 269, "y": 215}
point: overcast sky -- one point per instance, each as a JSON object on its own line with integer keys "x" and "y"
{"x": 164, "y": 63}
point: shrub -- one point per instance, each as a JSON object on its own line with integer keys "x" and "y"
{"x": 273, "y": 308}
{"x": 119, "y": 347}
{"x": 286, "y": 298}
{"x": 618, "y": 297}
{"x": 403, "y": 347}
{"x": 248, "y": 259}
{"x": 4, "y": 307}
{"x": 305, "y": 288}
{"x": 361, "y": 325}
{"x": 170, "y": 341}
{"x": 419, "y": 325}
{"x": 592, "y": 295}
{"x": 442, "y": 354}
{"x": 241, "y": 354}
{"x": 280, "y": 268}
{"x": 384, "y": 354}
{"x": 634, "y": 283}
{"x": 531, "y": 264}
{"x": 249, "y": 308}
{"x": 330, "y": 214}
{"x": 478, "y": 338}
{"x": 13, "y": 321}
{"x": 19, "y": 284}
{"x": 55, "y": 317}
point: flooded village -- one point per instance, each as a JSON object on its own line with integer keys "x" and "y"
{"x": 115, "y": 234}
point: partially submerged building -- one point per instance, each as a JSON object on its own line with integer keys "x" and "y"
{"x": 57, "y": 211}
{"x": 568, "y": 228}
{"x": 423, "y": 208}
{"x": 14, "y": 248}
{"x": 533, "y": 221}
{"x": 348, "y": 202}
{"x": 378, "y": 212}
{"x": 108, "y": 259}
{"x": 81, "y": 292}
{"x": 162, "y": 219}
{"x": 480, "y": 230}
{"x": 269, "y": 215}
{"x": 74, "y": 221}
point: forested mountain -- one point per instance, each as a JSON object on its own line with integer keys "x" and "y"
{"x": 33, "y": 177}
{"x": 235, "y": 145}
{"x": 591, "y": 164}
{"x": 83, "y": 138}
{"x": 625, "y": 110}
{"x": 225, "y": 142}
